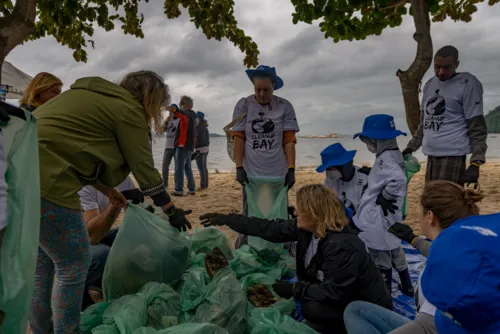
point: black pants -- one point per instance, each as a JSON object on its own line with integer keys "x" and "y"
{"x": 99, "y": 254}
{"x": 324, "y": 318}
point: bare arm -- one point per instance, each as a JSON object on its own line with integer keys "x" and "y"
{"x": 99, "y": 223}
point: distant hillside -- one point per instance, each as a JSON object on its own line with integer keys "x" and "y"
{"x": 493, "y": 120}
{"x": 216, "y": 135}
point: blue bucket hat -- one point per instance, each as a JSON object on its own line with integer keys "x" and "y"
{"x": 201, "y": 115}
{"x": 462, "y": 276}
{"x": 379, "y": 127}
{"x": 266, "y": 71}
{"x": 175, "y": 106}
{"x": 335, "y": 155}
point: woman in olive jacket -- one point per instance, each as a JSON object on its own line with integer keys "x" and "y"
{"x": 96, "y": 133}
{"x": 333, "y": 266}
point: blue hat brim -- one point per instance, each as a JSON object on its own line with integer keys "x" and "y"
{"x": 380, "y": 135}
{"x": 338, "y": 161}
{"x": 278, "y": 82}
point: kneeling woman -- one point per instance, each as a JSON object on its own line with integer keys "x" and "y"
{"x": 333, "y": 266}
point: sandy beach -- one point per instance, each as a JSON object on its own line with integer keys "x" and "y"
{"x": 224, "y": 194}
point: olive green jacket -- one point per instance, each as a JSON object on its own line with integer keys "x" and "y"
{"x": 96, "y": 132}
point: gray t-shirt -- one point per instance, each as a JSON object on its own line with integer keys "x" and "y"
{"x": 91, "y": 199}
{"x": 171, "y": 132}
{"x": 311, "y": 251}
{"x": 446, "y": 107}
{"x": 349, "y": 192}
{"x": 264, "y": 126}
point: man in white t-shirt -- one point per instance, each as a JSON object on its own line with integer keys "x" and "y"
{"x": 99, "y": 216}
{"x": 452, "y": 122}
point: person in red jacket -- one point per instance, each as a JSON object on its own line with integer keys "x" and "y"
{"x": 184, "y": 145}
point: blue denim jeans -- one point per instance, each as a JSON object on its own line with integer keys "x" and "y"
{"x": 168, "y": 155}
{"x": 201, "y": 162}
{"x": 367, "y": 318}
{"x": 183, "y": 165}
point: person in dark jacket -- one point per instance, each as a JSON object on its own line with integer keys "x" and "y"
{"x": 185, "y": 143}
{"x": 333, "y": 266}
{"x": 202, "y": 146}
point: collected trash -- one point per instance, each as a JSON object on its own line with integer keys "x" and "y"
{"x": 205, "y": 292}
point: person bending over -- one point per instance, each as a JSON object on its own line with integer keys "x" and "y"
{"x": 333, "y": 266}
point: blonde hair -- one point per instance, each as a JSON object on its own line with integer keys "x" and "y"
{"x": 41, "y": 82}
{"x": 322, "y": 205}
{"x": 152, "y": 92}
{"x": 186, "y": 101}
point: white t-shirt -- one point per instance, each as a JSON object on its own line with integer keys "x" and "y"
{"x": 311, "y": 250}
{"x": 349, "y": 192}
{"x": 171, "y": 132}
{"x": 423, "y": 305}
{"x": 91, "y": 199}
{"x": 264, "y": 126}
{"x": 387, "y": 175}
{"x": 446, "y": 107}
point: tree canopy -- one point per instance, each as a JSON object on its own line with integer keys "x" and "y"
{"x": 357, "y": 19}
{"x": 72, "y": 22}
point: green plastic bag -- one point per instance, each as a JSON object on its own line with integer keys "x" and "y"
{"x": 412, "y": 167}
{"x": 92, "y": 317}
{"x": 20, "y": 243}
{"x": 204, "y": 240}
{"x": 146, "y": 249}
{"x": 185, "y": 329}
{"x": 248, "y": 261}
{"x": 195, "y": 281}
{"x": 270, "y": 321}
{"x": 266, "y": 198}
{"x": 223, "y": 303}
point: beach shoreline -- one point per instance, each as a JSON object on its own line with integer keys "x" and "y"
{"x": 224, "y": 194}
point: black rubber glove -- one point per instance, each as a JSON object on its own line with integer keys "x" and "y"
{"x": 291, "y": 212}
{"x": 407, "y": 151}
{"x": 134, "y": 195}
{"x": 195, "y": 155}
{"x": 150, "y": 209}
{"x": 284, "y": 289}
{"x": 241, "y": 175}
{"x": 471, "y": 174}
{"x": 387, "y": 205}
{"x": 403, "y": 232}
{"x": 290, "y": 178}
{"x": 365, "y": 170}
{"x": 177, "y": 218}
{"x": 213, "y": 219}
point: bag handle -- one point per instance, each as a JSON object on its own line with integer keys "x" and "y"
{"x": 235, "y": 121}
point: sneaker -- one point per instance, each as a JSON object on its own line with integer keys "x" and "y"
{"x": 178, "y": 194}
{"x": 192, "y": 193}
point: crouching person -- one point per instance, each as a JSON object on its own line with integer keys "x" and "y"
{"x": 333, "y": 266}
{"x": 100, "y": 215}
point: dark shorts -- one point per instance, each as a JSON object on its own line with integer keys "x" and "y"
{"x": 446, "y": 168}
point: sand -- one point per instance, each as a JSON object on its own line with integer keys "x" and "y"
{"x": 224, "y": 194}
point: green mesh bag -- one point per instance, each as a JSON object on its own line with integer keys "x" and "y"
{"x": 412, "y": 167}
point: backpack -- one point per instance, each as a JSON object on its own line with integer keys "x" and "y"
{"x": 228, "y": 131}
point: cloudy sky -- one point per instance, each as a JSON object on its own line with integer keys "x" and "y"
{"x": 332, "y": 86}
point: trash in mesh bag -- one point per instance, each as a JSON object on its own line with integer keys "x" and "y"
{"x": 270, "y": 321}
{"x": 284, "y": 306}
{"x": 412, "y": 167}
{"x": 266, "y": 198}
{"x": 185, "y": 329}
{"x": 156, "y": 305}
{"x": 146, "y": 249}
{"x": 20, "y": 242}
{"x": 248, "y": 261}
{"x": 224, "y": 304}
{"x": 204, "y": 240}
{"x": 92, "y": 317}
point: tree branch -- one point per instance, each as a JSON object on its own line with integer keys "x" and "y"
{"x": 17, "y": 26}
{"x": 395, "y": 5}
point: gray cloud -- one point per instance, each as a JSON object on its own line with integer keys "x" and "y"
{"x": 332, "y": 86}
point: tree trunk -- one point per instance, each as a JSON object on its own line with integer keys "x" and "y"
{"x": 411, "y": 79}
{"x": 15, "y": 27}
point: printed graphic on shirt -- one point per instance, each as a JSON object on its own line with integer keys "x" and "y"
{"x": 263, "y": 136}
{"x": 171, "y": 129}
{"x": 434, "y": 110}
